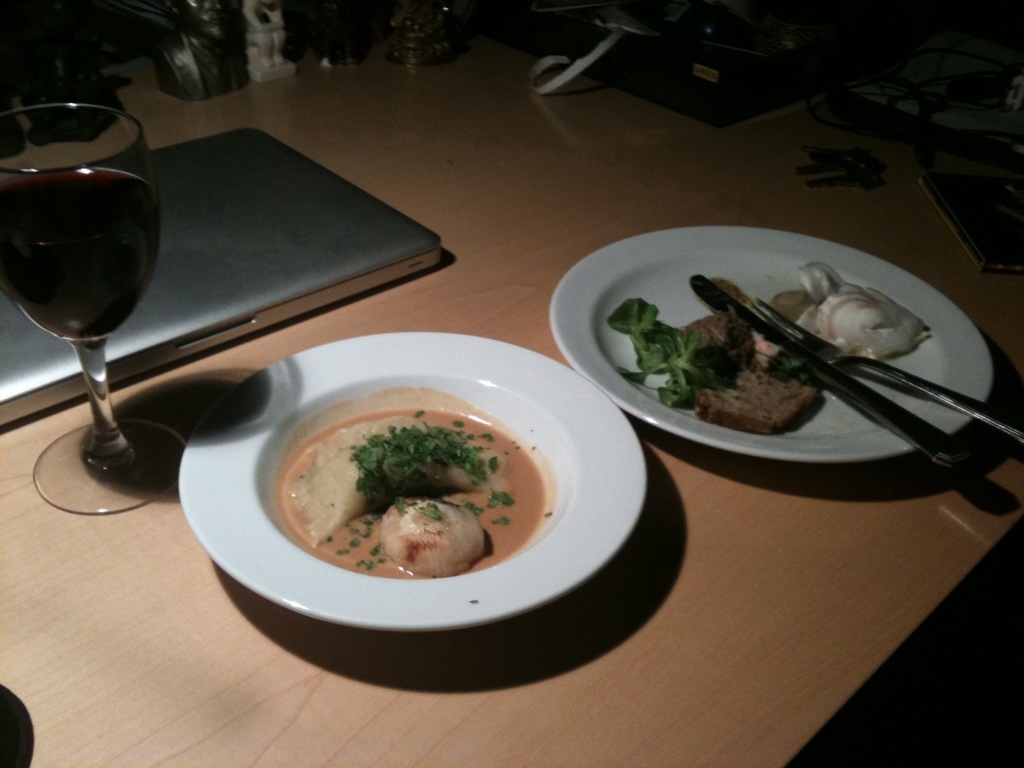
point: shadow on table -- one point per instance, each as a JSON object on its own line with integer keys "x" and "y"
{"x": 555, "y": 638}
{"x": 950, "y": 695}
{"x": 909, "y": 476}
{"x": 182, "y": 402}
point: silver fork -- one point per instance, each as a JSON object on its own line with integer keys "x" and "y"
{"x": 832, "y": 354}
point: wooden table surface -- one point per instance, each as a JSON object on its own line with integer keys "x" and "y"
{"x": 754, "y": 597}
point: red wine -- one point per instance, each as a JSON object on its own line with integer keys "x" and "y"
{"x": 77, "y": 248}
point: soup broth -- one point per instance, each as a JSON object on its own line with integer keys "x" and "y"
{"x": 510, "y": 518}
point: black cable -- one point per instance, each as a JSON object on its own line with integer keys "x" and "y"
{"x": 892, "y": 88}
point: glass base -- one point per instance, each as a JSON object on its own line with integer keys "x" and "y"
{"x": 67, "y": 481}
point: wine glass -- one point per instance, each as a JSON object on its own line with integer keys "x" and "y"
{"x": 79, "y": 221}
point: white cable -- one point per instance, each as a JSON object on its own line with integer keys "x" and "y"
{"x": 548, "y": 63}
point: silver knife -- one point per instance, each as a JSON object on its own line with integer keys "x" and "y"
{"x": 941, "y": 447}
{"x": 830, "y": 353}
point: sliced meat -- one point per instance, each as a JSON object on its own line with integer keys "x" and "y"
{"x": 727, "y": 331}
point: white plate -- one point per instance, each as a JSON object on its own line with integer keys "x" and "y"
{"x": 657, "y": 266}
{"x": 227, "y": 478}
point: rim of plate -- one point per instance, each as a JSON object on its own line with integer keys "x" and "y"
{"x": 602, "y": 279}
{"x": 226, "y": 478}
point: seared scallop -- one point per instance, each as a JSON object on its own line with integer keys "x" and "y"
{"x": 429, "y": 537}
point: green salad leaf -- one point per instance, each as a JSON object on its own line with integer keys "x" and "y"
{"x": 662, "y": 349}
{"x": 785, "y": 366}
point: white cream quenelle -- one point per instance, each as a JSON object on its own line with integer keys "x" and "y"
{"x": 862, "y": 321}
{"x": 430, "y": 537}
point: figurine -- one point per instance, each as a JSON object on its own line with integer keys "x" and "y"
{"x": 264, "y": 40}
{"x": 204, "y": 56}
{"x": 423, "y": 33}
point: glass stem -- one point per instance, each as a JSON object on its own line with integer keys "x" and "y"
{"x": 107, "y": 446}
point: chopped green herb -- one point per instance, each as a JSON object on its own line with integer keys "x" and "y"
{"x": 431, "y": 510}
{"x": 492, "y": 464}
{"x": 393, "y": 463}
{"x": 474, "y": 508}
{"x": 503, "y": 520}
{"x": 500, "y": 499}
{"x": 363, "y": 526}
{"x": 458, "y": 424}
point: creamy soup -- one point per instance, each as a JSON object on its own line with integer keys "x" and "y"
{"x": 511, "y": 506}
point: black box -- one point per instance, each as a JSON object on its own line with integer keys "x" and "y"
{"x": 717, "y": 83}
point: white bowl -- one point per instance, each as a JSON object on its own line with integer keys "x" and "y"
{"x": 229, "y": 468}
